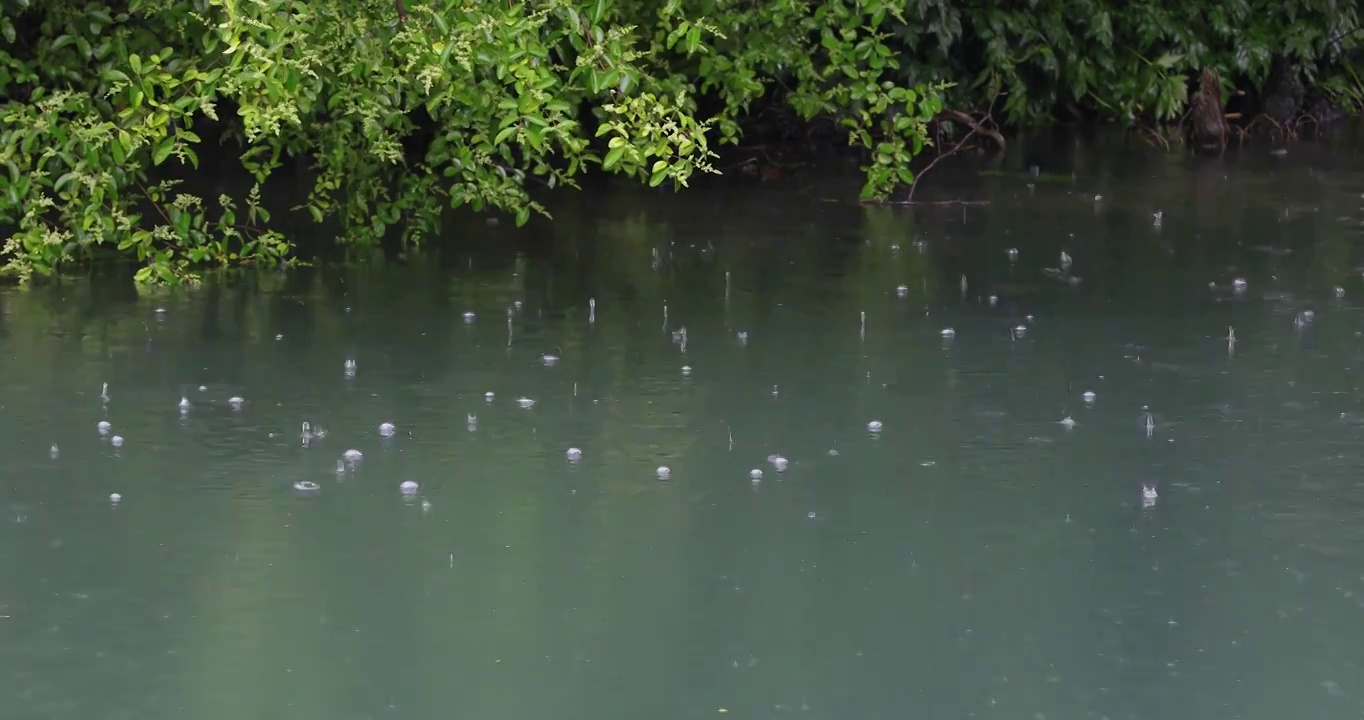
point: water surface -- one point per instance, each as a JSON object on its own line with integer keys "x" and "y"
{"x": 976, "y": 558}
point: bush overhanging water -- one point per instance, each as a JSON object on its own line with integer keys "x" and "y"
{"x": 402, "y": 108}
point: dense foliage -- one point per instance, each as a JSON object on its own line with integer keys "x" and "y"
{"x": 402, "y": 108}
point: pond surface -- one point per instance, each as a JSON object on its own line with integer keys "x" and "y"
{"x": 978, "y": 557}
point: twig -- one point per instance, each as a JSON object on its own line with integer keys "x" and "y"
{"x": 942, "y": 203}
{"x": 977, "y": 127}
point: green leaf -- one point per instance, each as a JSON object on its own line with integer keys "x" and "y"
{"x": 612, "y": 157}
{"x": 162, "y": 150}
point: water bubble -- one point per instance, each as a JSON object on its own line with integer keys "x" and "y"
{"x": 1089, "y": 396}
{"x": 203, "y": 388}
{"x": 686, "y": 369}
{"x": 279, "y": 336}
{"x": 426, "y": 505}
{"x": 184, "y": 404}
{"x": 115, "y": 498}
{"x": 54, "y": 451}
{"x": 1020, "y": 331}
{"x": 307, "y": 486}
{"x": 664, "y": 472}
{"x": 902, "y": 291}
{"x": 104, "y": 427}
{"x": 1067, "y": 422}
{"x": 778, "y": 462}
{"x": 994, "y": 300}
{"x": 811, "y": 515}
{"x": 755, "y": 475}
{"x": 743, "y": 337}
{"x": 236, "y": 402}
{"x": 1012, "y": 253}
{"x": 1148, "y": 492}
{"x": 350, "y": 367}
{"x": 549, "y": 359}
{"x": 352, "y": 456}
{"x": 948, "y": 333}
{"x": 573, "y": 454}
{"x": 408, "y": 487}
{"x": 340, "y": 467}
{"x": 116, "y": 441}
{"x": 387, "y": 429}
{"x": 470, "y": 316}
{"x": 516, "y": 304}
{"x": 525, "y": 402}
{"x": 874, "y": 426}
{"x": 488, "y": 396}
{"x": 1239, "y": 285}
{"x": 1340, "y": 292}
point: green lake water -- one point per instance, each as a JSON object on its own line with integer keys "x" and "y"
{"x": 976, "y": 558}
